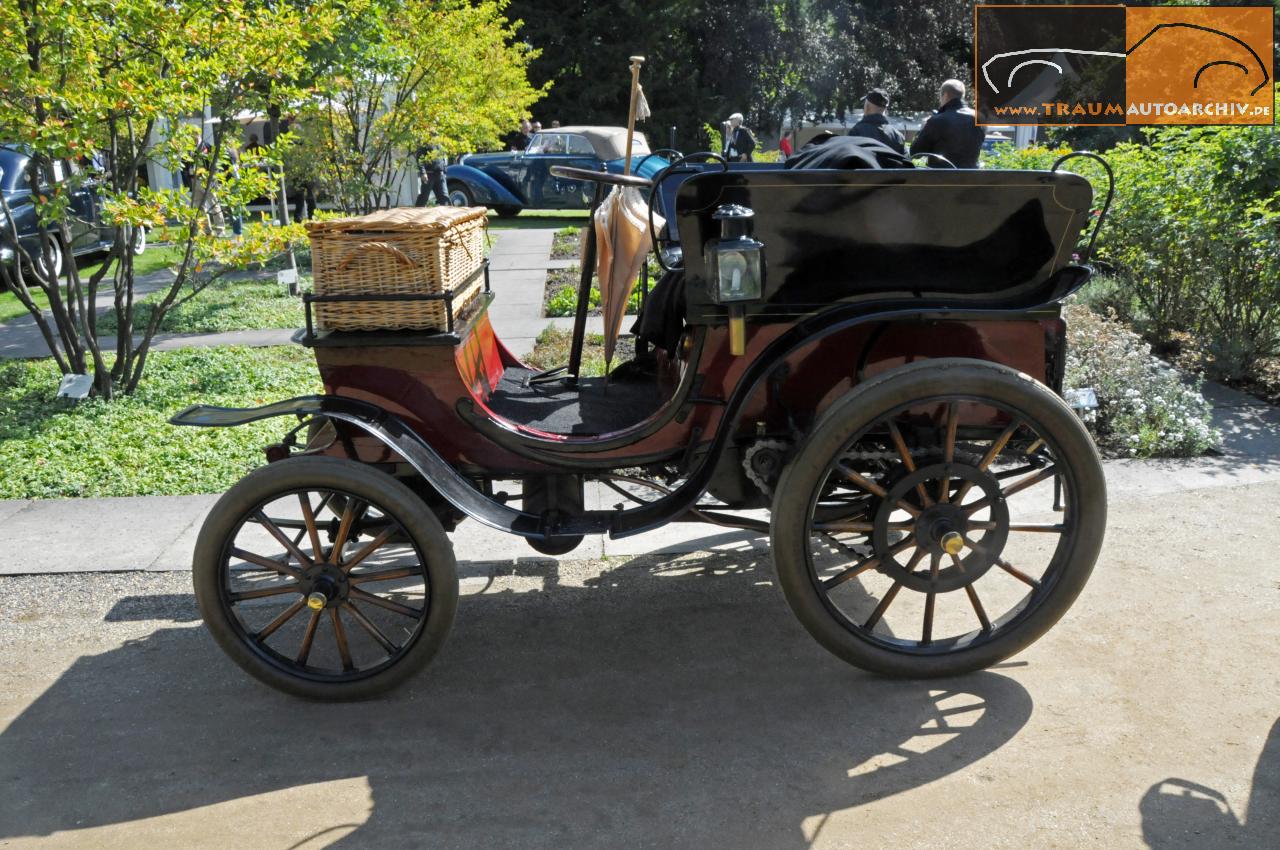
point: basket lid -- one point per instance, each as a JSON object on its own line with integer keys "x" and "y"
{"x": 417, "y": 219}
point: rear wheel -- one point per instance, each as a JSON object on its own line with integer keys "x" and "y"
{"x": 325, "y": 579}
{"x": 952, "y": 556}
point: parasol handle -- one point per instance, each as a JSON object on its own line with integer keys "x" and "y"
{"x": 636, "y": 62}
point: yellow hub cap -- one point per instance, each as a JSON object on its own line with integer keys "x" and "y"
{"x": 952, "y": 542}
{"x": 317, "y": 601}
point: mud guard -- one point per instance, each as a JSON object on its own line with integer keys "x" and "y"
{"x": 392, "y": 432}
{"x": 487, "y": 190}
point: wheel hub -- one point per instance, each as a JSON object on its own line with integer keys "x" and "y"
{"x": 941, "y": 531}
{"x": 325, "y": 586}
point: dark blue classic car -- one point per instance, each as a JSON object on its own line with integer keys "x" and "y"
{"x": 90, "y": 234}
{"x": 515, "y": 180}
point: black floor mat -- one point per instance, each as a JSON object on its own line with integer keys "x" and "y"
{"x": 592, "y": 407}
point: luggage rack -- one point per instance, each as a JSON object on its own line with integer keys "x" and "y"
{"x": 310, "y": 337}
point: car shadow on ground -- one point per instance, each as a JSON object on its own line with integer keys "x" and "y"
{"x": 1178, "y": 813}
{"x": 660, "y": 705}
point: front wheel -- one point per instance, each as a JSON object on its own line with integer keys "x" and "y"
{"x": 976, "y": 509}
{"x": 325, "y": 578}
{"x": 460, "y": 196}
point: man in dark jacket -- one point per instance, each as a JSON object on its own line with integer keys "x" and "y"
{"x": 874, "y": 124}
{"x": 953, "y": 130}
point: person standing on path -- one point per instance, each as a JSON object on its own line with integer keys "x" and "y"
{"x": 874, "y": 123}
{"x": 738, "y": 140}
{"x": 431, "y": 169}
{"x": 953, "y": 130}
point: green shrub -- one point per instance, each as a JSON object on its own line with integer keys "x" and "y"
{"x": 1145, "y": 408}
{"x": 1193, "y": 238}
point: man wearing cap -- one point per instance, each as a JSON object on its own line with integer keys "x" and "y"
{"x": 953, "y": 130}
{"x": 738, "y": 141}
{"x": 874, "y": 124}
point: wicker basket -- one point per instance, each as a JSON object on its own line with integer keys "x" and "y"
{"x": 405, "y": 251}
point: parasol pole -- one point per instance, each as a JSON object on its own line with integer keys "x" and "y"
{"x": 636, "y": 62}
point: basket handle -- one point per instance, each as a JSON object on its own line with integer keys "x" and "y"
{"x": 384, "y": 247}
{"x": 453, "y": 239}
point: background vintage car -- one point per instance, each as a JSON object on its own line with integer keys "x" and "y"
{"x": 89, "y": 234}
{"x": 515, "y": 180}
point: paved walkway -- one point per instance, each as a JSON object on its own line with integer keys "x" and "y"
{"x": 20, "y": 338}
{"x": 518, "y": 266}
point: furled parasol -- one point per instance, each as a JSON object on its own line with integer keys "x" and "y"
{"x": 622, "y": 231}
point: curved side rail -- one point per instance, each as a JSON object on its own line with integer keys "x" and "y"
{"x": 1106, "y": 205}
{"x": 700, "y": 156}
{"x": 570, "y": 172}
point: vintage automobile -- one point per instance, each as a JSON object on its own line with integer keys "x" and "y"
{"x": 89, "y": 234}
{"x": 515, "y": 180}
{"x": 874, "y": 356}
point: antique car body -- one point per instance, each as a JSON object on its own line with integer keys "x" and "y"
{"x": 889, "y": 389}
{"x": 89, "y": 233}
{"x": 514, "y": 180}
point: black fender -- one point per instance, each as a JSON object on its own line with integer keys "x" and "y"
{"x": 485, "y": 188}
{"x": 392, "y": 432}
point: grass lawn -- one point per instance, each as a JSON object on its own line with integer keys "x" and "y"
{"x": 539, "y": 219}
{"x": 552, "y": 350}
{"x": 51, "y": 448}
{"x": 227, "y": 305}
{"x": 151, "y": 260}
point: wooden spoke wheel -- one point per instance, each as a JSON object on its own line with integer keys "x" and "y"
{"x": 976, "y": 509}
{"x": 325, "y": 578}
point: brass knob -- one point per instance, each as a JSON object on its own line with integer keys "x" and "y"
{"x": 952, "y": 542}
{"x": 317, "y": 600}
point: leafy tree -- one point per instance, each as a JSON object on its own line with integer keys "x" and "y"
{"x": 764, "y": 58}
{"x": 450, "y": 73}
{"x": 103, "y": 84}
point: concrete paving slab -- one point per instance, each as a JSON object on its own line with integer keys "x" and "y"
{"x": 520, "y": 346}
{"x": 528, "y": 260}
{"x": 9, "y": 507}
{"x": 95, "y": 535}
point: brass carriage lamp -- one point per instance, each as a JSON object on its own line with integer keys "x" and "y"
{"x": 736, "y": 265}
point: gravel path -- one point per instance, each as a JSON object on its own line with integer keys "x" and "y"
{"x": 670, "y": 703}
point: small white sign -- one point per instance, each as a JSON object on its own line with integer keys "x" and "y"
{"x": 1082, "y": 399}
{"x": 286, "y": 277}
{"x": 75, "y": 386}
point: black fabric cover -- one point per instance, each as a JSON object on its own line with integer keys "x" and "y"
{"x": 661, "y": 319}
{"x": 595, "y": 406}
{"x": 847, "y": 153}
